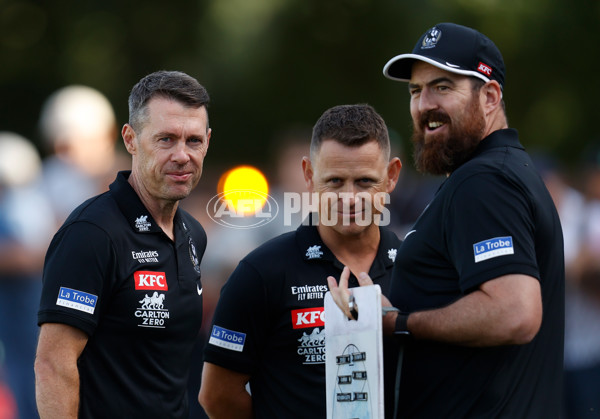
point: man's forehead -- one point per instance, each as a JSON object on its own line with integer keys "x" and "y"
{"x": 423, "y": 73}
{"x": 162, "y": 102}
{"x": 330, "y": 144}
{"x": 333, "y": 152}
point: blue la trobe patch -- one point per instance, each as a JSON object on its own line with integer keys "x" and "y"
{"x": 77, "y": 300}
{"x": 491, "y": 248}
{"x": 228, "y": 339}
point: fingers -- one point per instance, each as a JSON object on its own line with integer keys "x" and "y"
{"x": 344, "y": 278}
{"x": 364, "y": 279}
{"x": 332, "y": 283}
{"x": 340, "y": 292}
{"x": 342, "y": 295}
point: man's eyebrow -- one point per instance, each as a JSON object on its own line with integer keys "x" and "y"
{"x": 432, "y": 82}
{"x": 441, "y": 80}
{"x": 163, "y": 134}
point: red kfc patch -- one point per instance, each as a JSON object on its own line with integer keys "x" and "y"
{"x": 485, "y": 69}
{"x": 148, "y": 280}
{"x": 308, "y": 317}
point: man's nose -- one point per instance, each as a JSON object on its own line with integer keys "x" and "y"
{"x": 180, "y": 153}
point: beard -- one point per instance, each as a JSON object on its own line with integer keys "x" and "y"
{"x": 442, "y": 155}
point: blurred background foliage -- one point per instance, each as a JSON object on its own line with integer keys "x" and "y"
{"x": 272, "y": 64}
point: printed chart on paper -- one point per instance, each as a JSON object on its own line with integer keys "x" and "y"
{"x": 354, "y": 360}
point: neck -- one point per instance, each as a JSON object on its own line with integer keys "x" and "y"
{"x": 357, "y": 251}
{"x": 497, "y": 121}
{"x": 162, "y": 211}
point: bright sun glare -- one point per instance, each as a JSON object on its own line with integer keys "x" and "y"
{"x": 245, "y": 189}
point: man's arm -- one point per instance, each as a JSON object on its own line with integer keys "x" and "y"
{"x": 505, "y": 310}
{"x": 223, "y": 393}
{"x": 56, "y": 373}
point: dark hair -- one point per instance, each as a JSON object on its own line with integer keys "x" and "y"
{"x": 352, "y": 126}
{"x": 173, "y": 85}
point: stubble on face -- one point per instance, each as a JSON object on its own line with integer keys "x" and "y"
{"x": 346, "y": 205}
{"x": 165, "y": 172}
{"x": 443, "y": 154}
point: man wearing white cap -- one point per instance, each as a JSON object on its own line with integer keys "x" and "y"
{"x": 479, "y": 280}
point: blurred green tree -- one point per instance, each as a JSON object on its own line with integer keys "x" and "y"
{"x": 269, "y": 64}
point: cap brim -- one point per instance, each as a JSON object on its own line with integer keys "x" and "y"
{"x": 399, "y": 68}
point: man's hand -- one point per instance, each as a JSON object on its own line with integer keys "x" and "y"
{"x": 342, "y": 295}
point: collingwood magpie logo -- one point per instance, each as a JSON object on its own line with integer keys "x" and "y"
{"x": 431, "y": 39}
{"x": 392, "y": 254}
{"x": 194, "y": 256}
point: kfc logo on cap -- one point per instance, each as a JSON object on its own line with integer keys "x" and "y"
{"x": 485, "y": 69}
{"x": 148, "y": 280}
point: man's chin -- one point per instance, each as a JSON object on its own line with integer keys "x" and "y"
{"x": 350, "y": 229}
{"x": 179, "y": 193}
{"x": 439, "y": 136}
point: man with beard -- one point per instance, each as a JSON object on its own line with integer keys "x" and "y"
{"x": 479, "y": 280}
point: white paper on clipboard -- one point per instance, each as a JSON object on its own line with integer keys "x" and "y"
{"x": 354, "y": 357}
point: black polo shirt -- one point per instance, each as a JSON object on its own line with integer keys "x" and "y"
{"x": 113, "y": 273}
{"x": 269, "y": 320}
{"x": 493, "y": 216}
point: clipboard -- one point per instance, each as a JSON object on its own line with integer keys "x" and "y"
{"x": 354, "y": 357}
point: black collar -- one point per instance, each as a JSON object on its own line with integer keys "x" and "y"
{"x": 501, "y": 138}
{"x": 314, "y": 250}
{"x": 133, "y": 209}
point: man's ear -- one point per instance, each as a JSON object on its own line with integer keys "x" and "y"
{"x": 394, "y": 167}
{"x": 492, "y": 96}
{"x": 308, "y": 173}
{"x": 129, "y": 136}
{"x": 208, "y": 135}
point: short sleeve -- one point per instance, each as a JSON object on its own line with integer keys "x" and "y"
{"x": 490, "y": 230}
{"x": 239, "y": 328}
{"x": 78, "y": 275}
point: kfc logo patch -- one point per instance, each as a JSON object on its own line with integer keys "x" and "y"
{"x": 485, "y": 69}
{"x": 308, "y": 317}
{"x": 148, "y": 280}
